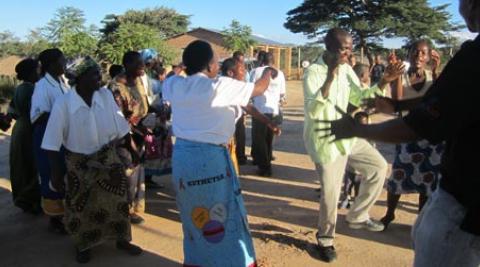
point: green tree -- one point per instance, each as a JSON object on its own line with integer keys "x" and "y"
{"x": 166, "y": 21}
{"x": 78, "y": 44}
{"x": 36, "y": 43}
{"x": 68, "y": 32}
{"x": 370, "y": 20}
{"x": 238, "y": 37}
{"x": 130, "y": 36}
{"x": 9, "y": 44}
{"x": 67, "y": 20}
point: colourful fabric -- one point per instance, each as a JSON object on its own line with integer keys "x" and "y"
{"x": 345, "y": 89}
{"x": 416, "y": 168}
{"x": 23, "y": 173}
{"x": 158, "y": 146}
{"x": 148, "y": 54}
{"x": 96, "y": 198}
{"x": 52, "y": 201}
{"x": 134, "y": 98}
{"x": 209, "y": 199}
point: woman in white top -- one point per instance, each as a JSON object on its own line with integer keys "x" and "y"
{"x": 204, "y": 108}
{"x": 47, "y": 91}
{"x": 90, "y": 126}
{"x": 416, "y": 168}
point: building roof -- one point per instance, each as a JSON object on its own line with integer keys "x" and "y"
{"x": 259, "y": 39}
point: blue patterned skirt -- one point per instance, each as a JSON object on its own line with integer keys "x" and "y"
{"x": 416, "y": 168}
{"x": 214, "y": 219}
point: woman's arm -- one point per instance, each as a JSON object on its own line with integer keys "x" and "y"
{"x": 251, "y": 110}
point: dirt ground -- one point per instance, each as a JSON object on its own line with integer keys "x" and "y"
{"x": 283, "y": 213}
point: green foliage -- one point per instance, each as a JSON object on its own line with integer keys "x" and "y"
{"x": 78, "y": 44}
{"x": 237, "y": 37}
{"x": 67, "y": 20}
{"x": 7, "y": 86}
{"x": 35, "y": 43}
{"x": 68, "y": 32}
{"x": 307, "y": 52}
{"x": 9, "y": 44}
{"x": 368, "y": 21}
{"x": 130, "y": 36}
{"x": 165, "y": 20}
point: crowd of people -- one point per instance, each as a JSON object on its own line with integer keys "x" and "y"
{"x": 84, "y": 150}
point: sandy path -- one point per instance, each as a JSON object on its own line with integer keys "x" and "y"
{"x": 283, "y": 213}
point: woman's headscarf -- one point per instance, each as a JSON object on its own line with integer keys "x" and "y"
{"x": 79, "y": 67}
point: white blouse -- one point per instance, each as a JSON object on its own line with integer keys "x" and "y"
{"x": 269, "y": 102}
{"x": 83, "y": 129}
{"x": 46, "y": 92}
{"x": 409, "y": 92}
{"x": 204, "y": 109}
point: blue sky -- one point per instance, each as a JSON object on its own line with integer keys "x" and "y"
{"x": 266, "y": 17}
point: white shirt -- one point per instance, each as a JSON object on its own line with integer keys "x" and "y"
{"x": 269, "y": 102}
{"x": 204, "y": 109}
{"x": 47, "y": 90}
{"x": 148, "y": 86}
{"x": 83, "y": 129}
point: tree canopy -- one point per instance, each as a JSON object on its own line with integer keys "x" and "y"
{"x": 131, "y": 36}
{"x": 238, "y": 37}
{"x": 166, "y": 21}
{"x": 370, "y": 20}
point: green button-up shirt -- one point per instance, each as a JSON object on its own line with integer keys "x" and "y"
{"x": 345, "y": 88}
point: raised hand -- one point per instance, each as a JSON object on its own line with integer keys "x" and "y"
{"x": 436, "y": 61}
{"x": 340, "y": 129}
{"x": 393, "y": 72}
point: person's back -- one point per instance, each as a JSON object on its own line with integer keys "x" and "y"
{"x": 201, "y": 104}
{"x": 269, "y": 101}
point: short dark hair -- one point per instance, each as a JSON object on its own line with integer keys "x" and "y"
{"x": 360, "y": 69}
{"x": 196, "y": 56}
{"x": 115, "y": 70}
{"x": 158, "y": 68}
{"x": 129, "y": 57}
{"x": 25, "y": 68}
{"x": 48, "y": 57}
{"x": 228, "y": 65}
{"x": 238, "y": 54}
{"x": 333, "y": 36}
{"x": 261, "y": 55}
{"x": 415, "y": 43}
{"x": 268, "y": 59}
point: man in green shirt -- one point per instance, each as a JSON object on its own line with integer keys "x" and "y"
{"x": 330, "y": 84}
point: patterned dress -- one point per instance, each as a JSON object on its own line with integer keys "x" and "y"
{"x": 97, "y": 209}
{"x": 210, "y": 202}
{"x": 416, "y": 168}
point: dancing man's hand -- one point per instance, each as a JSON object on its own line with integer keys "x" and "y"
{"x": 393, "y": 72}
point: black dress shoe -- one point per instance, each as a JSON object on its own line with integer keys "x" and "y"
{"x": 264, "y": 172}
{"x": 129, "y": 248}
{"x": 242, "y": 161}
{"x": 56, "y": 226}
{"x": 136, "y": 219}
{"x": 83, "y": 256}
{"x": 327, "y": 254}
